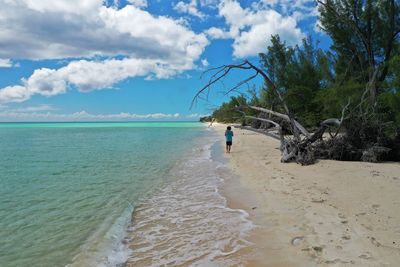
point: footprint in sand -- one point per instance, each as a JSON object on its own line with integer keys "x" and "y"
{"x": 368, "y": 227}
{"x": 375, "y": 242}
{"x": 375, "y": 173}
{"x": 335, "y": 261}
{"x": 346, "y": 237}
{"x": 318, "y": 249}
{"x": 365, "y": 256}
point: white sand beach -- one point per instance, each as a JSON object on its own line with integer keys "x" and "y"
{"x": 328, "y": 214}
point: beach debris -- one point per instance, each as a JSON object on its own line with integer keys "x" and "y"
{"x": 318, "y": 200}
{"x": 346, "y": 237}
{"x": 341, "y": 261}
{"x": 297, "y": 240}
{"x": 318, "y": 249}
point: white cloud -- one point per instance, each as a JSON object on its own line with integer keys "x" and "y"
{"x": 189, "y": 8}
{"x": 38, "y": 108}
{"x": 12, "y": 115}
{"x": 68, "y": 29}
{"x": 70, "y": 6}
{"x": 209, "y": 3}
{"x": 148, "y": 46}
{"x": 87, "y": 76}
{"x": 196, "y": 116}
{"x": 138, "y": 3}
{"x": 163, "y": 37}
{"x": 300, "y": 9}
{"x": 217, "y": 33}
{"x": 15, "y": 93}
{"x": 204, "y": 62}
{"x": 251, "y": 28}
{"x": 6, "y": 63}
{"x": 46, "y": 82}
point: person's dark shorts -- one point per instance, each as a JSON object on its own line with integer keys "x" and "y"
{"x": 228, "y": 143}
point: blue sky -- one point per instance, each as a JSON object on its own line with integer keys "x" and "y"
{"x": 71, "y": 60}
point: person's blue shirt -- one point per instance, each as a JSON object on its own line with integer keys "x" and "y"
{"x": 228, "y": 135}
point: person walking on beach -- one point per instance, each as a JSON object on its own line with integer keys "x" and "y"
{"x": 228, "y": 137}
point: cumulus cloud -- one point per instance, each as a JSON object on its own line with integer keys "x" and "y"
{"x": 87, "y": 76}
{"x": 15, "y": 93}
{"x": 145, "y": 45}
{"x": 189, "y": 8}
{"x": 15, "y": 115}
{"x": 71, "y": 29}
{"x": 251, "y": 28}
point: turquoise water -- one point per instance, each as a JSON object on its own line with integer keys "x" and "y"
{"x": 63, "y": 186}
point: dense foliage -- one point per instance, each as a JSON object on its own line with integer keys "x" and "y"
{"x": 361, "y": 67}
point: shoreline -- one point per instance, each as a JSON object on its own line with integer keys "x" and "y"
{"x": 187, "y": 222}
{"x": 331, "y": 213}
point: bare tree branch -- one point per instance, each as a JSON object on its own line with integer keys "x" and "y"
{"x": 285, "y": 117}
{"x": 296, "y": 147}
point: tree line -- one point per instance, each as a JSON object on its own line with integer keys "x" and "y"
{"x": 358, "y": 77}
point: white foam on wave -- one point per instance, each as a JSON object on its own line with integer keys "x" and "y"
{"x": 110, "y": 250}
{"x": 188, "y": 222}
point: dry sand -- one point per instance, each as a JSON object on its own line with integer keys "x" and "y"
{"x": 328, "y": 214}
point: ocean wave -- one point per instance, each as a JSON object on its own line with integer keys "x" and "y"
{"x": 188, "y": 223}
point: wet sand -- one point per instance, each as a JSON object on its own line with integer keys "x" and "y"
{"x": 328, "y": 214}
{"x": 187, "y": 221}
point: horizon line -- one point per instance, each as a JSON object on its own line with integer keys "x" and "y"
{"x": 97, "y": 121}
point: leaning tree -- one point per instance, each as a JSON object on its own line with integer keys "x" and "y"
{"x": 365, "y": 37}
{"x": 299, "y": 145}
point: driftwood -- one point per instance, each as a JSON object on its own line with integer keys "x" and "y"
{"x": 299, "y": 145}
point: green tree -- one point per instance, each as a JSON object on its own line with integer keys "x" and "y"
{"x": 226, "y": 112}
{"x": 365, "y": 34}
{"x": 299, "y": 73}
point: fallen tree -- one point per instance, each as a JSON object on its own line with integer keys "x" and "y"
{"x": 297, "y": 144}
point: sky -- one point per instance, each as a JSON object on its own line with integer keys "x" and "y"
{"x": 117, "y": 60}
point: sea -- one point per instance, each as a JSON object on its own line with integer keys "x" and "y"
{"x": 116, "y": 194}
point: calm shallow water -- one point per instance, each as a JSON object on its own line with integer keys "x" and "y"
{"x": 187, "y": 221}
{"x": 67, "y": 190}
